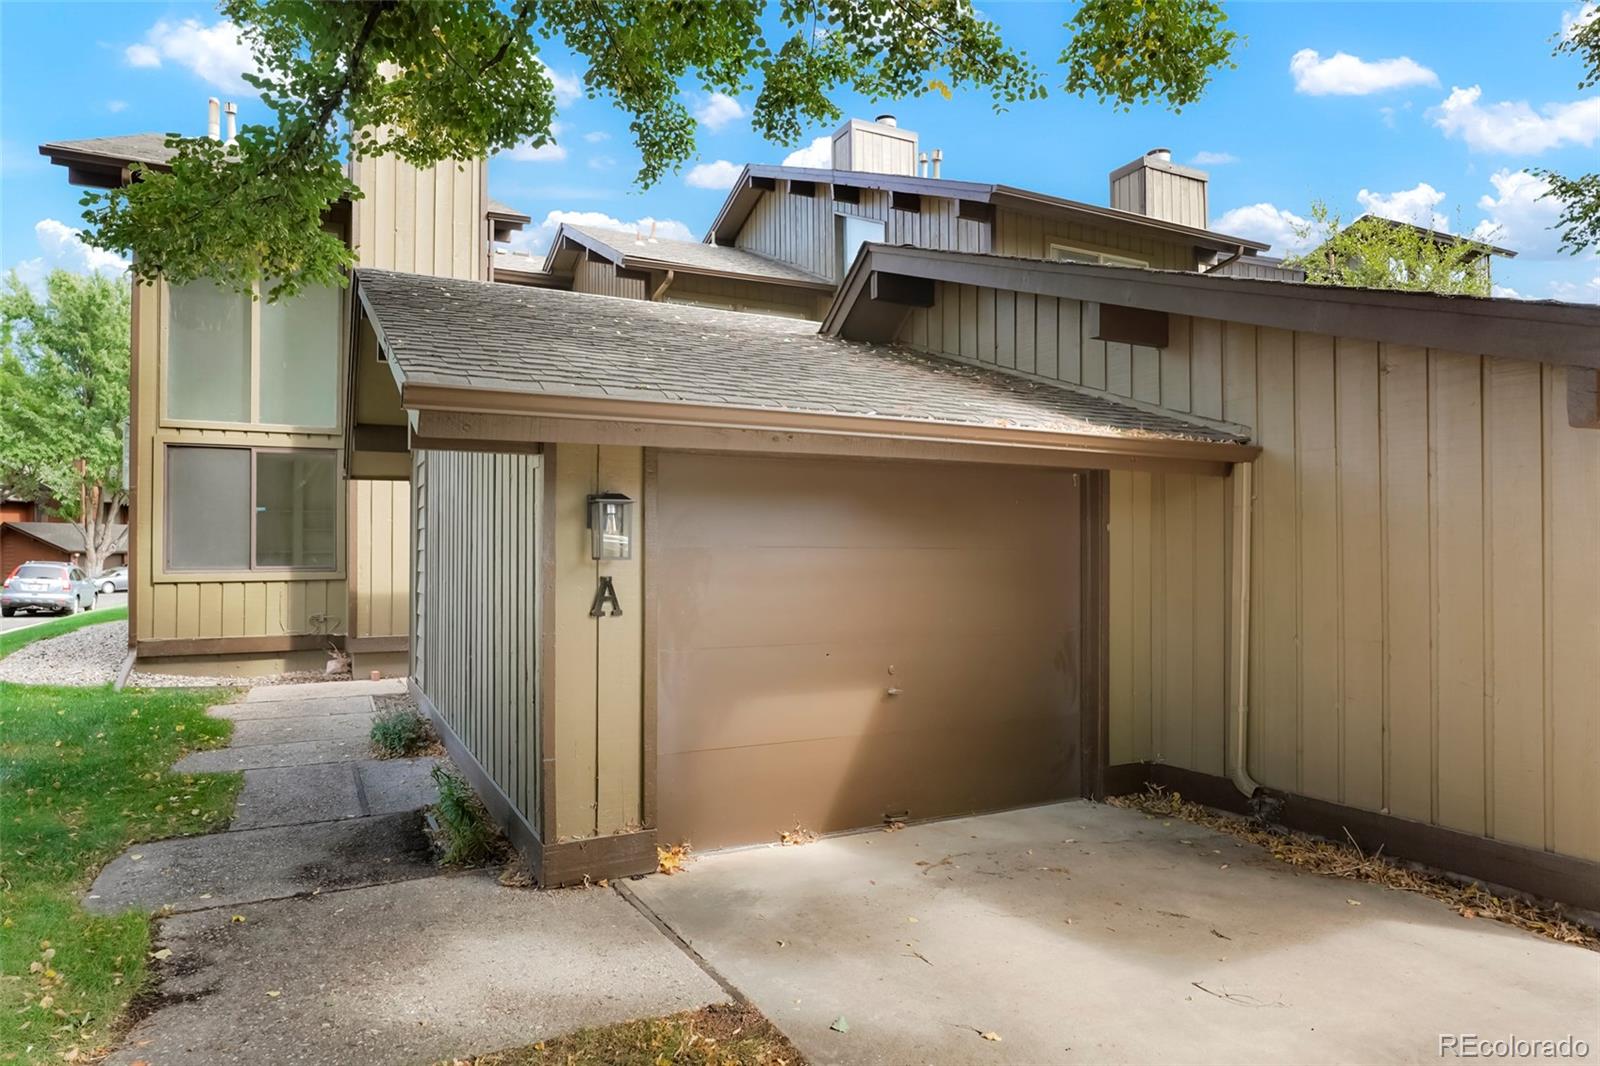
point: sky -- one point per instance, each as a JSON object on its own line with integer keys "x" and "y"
{"x": 1431, "y": 112}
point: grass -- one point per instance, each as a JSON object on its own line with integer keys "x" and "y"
{"x": 21, "y": 638}
{"x": 83, "y": 774}
{"x": 470, "y": 838}
{"x": 399, "y": 733}
{"x": 728, "y": 1035}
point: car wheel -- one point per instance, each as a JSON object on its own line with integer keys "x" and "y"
{"x": 8, "y": 612}
{"x": 108, "y": 588}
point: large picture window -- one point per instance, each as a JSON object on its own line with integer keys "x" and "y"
{"x": 239, "y": 360}
{"x": 251, "y": 509}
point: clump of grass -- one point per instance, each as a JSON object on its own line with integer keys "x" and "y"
{"x": 400, "y": 733}
{"x": 468, "y": 837}
{"x": 719, "y": 1035}
{"x": 84, "y": 772}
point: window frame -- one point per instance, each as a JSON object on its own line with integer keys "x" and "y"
{"x": 164, "y": 372}
{"x": 841, "y": 223}
{"x": 1095, "y": 256}
{"x": 166, "y": 572}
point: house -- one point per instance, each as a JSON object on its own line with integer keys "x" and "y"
{"x": 1049, "y": 500}
{"x": 256, "y": 542}
{"x": 60, "y": 542}
{"x": 1474, "y": 262}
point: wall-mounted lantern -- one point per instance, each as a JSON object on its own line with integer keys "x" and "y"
{"x": 611, "y": 525}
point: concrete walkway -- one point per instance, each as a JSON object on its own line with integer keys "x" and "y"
{"x": 354, "y": 947}
{"x": 1079, "y": 932}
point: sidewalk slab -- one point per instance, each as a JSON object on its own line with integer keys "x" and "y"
{"x": 294, "y": 730}
{"x": 227, "y": 869}
{"x": 317, "y": 689}
{"x": 323, "y": 706}
{"x": 406, "y": 973}
{"x": 391, "y": 785}
{"x": 257, "y": 756}
{"x": 291, "y": 795}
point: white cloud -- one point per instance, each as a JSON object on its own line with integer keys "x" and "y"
{"x": 216, "y": 54}
{"x": 602, "y": 162}
{"x": 1342, "y": 74}
{"x": 819, "y": 154}
{"x": 535, "y": 239}
{"x": 1520, "y": 216}
{"x": 1265, "y": 222}
{"x": 568, "y": 87}
{"x": 718, "y": 110}
{"x": 1213, "y": 159}
{"x": 114, "y": 106}
{"x": 596, "y": 136}
{"x": 1575, "y": 292}
{"x": 1505, "y": 292}
{"x": 1514, "y": 126}
{"x": 1408, "y": 205}
{"x": 718, "y": 175}
{"x": 549, "y": 152}
{"x": 62, "y": 248}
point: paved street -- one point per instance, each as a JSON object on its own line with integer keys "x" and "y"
{"x": 23, "y": 621}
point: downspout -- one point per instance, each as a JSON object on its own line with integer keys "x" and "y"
{"x": 666, "y": 283}
{"x": 1244, "y": 510}
{"x": 1232, "y": 258}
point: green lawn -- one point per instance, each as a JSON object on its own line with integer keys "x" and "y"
{"x": 83, "y": 774}
{"x": 18, "y": 638}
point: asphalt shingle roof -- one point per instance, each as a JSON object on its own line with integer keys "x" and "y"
{"x": 552, "y": 342}
{"x": 693, "y": 254}
{"x": 128, "y": 148}
{"x": 67, "y": 536}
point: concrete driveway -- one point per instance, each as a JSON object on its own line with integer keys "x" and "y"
{"x": 1079, "y": 932}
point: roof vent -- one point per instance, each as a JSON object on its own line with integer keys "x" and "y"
{"x": 1163, "y": 154}
{"x": 214, "y": 118}
{"x": 887, "y": 120}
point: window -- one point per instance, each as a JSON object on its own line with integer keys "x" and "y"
{"x": 234, "y": 359}
{"x": 251, "y": 509}
{"x": 851, "y": 233}
{"x": 1070, "y": 253}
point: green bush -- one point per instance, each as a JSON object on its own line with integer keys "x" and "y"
{"x": 400, "y": 733}
{"x": 470, "y": 839}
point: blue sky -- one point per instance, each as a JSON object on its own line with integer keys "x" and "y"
{"x": 1432, "y": 112}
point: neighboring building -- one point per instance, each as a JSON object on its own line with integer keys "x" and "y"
{"x": 1042, "y": 500}
{"x": 1477, "y": 258}
{"x": 59, "y": 542}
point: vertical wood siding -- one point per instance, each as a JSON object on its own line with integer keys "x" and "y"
{"x": 606, "y": 280}
{"x": 1425, "y": 587}
{"x": 380, "y": 552}
{"x": 421, "y": 221}
{"x": 1030, "y": 237}
{"x": 744, "y": 296}
{"x": 477, "y": 639}
{"x": 799, "y": 230}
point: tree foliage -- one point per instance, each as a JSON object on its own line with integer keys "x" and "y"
{"x": 434, "y": 81}
{"x": 64, "y": 399}
{"x": 1376, "y": 253}
{"x": 1580, "y": 194}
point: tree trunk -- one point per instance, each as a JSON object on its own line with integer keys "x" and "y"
{"x": 97, "y": 521}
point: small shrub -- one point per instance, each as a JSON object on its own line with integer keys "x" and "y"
{"x": 400, "y": 733}
{"x": 469, "y": 838}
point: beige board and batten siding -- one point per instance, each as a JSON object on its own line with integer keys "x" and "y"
{"x": 1029, "y": 236}
{"x": 475, "y": 653}
{"x": 247, "y": 609}
{"x": 421, "y": 221}
{"x": 1425, "y": 594}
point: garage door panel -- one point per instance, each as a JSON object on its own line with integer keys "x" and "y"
{"x": 837, "y": 783}
{"x": 744, "y": 501}
{"x": 788, "y": 588}
{"x": 732, "y": 697}
{"x": 808, "y": 595}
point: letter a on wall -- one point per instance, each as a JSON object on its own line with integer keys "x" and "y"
{"x": 604, "y": 594}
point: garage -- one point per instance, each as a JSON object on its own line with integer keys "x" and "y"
{"x": 847, "y": 641}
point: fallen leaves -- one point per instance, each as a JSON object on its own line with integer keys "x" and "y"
{"x": 673, "y": 859}
{"x": 162, "y": 955}
{"x": 840, "y": 1025}
{"x": 994, "y": 1037}
{"x": 798, "y": 835}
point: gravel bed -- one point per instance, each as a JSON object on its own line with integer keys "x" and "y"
{"x": 90, "y": 657}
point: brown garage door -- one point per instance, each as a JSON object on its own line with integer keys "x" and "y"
{"x": 844, "y": 641}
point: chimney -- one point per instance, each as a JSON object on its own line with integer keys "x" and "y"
{"x": 1154, "y": 186}
{"x": 876, "y": 147}
{"x": 231, "y": 109}
{"x": 214, "y": 119}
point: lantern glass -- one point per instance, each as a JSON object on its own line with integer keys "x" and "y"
{"x": 611, "y": 525}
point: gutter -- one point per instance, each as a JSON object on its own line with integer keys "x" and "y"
{"x": 1243, "y": 514}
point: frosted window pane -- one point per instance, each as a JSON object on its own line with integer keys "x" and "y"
{"x": 296, "y": 509}
{"x": 208, "y": 354}
{"x": 300, "y": 359}
{"x": 208, "y": 509}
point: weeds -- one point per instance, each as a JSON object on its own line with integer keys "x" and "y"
{"x": 400, "y": 733}
{"x": 468, "y": 838}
